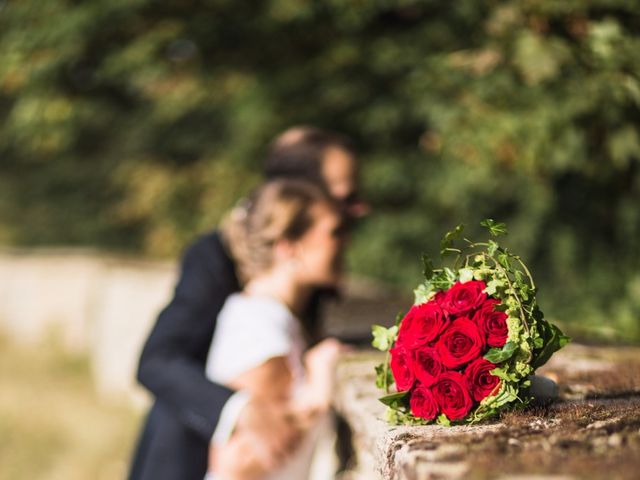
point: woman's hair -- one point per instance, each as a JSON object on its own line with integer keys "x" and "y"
{"x": 277, "y": 210}
{"x": 298, "y": 153}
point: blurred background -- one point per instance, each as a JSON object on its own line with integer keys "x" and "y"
{"x": 127, "y": 127}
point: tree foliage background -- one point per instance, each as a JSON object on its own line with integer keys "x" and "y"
{"x": 134, "y": 124}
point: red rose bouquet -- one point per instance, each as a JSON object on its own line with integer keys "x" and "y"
{"x": 465, "y": 349}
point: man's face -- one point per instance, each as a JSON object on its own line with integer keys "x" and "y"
{"x": 340, "y": 173}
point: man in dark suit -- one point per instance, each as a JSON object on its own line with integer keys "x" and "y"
{"x": 188, "y": 408}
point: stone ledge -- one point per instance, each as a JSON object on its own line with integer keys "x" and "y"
{"x": 593, "y": 431}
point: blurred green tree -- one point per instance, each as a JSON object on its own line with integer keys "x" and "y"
{"x": 135, "y": 124}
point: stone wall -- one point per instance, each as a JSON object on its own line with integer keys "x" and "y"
{"x": 591, "y": 432}
{"x": 100, "y": 305}
{"x": 104, "y": 306}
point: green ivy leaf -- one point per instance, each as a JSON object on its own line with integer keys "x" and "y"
{"x": 384, "y": 376}
{"x": 501, "y": 307}
{"x": 495, "y": 229}
{"x": 554, "y": 340}
{"x": 443, "y": 279}
{"x": 492, "y": 248}
{"x": 443, "y": 420}
{"x": 449, "y": 237}
{"x": 553, "y": 335}
{"x": 518, "y": 276}
{"x": 392, "y": 416}
{"x": 507, "y": 395}
{"x": 503, "y": 374}
{"x": 394, "y": 400}
{"x": 427, "y": 267}
{"x": 493, "y": 285}
{"x": 499, "y": 355}
{"x": 465, "y": 275}
{"x": 383, "y": 337}
{"x": 503, "y": 259}
{"x": 380, "y": 374}
{"x": 421, "y": 294}
{"x": 450, "y": 274}
{"x": 563, "y": 339}
{"x": 523, "y": 369}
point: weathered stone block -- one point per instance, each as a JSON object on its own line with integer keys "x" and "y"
{"x": 592, "y": 431}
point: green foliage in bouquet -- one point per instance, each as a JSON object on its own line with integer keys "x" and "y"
{"x": 531, "y": 339}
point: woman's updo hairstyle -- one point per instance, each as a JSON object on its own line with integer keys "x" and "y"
{"x": 277, "y": 210}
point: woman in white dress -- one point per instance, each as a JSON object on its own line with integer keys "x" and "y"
{"x": 287, "y": 242}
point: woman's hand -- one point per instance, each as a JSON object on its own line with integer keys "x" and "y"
{"x": 266, "y": 434}
{"x": 241, "y": 458}
{"x": 323, "y": 357}
{"x": 320, "y": 364}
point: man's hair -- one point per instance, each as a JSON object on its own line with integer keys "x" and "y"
{"x": 298, "y": 153}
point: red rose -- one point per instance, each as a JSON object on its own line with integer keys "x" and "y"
{"x": 421, "y": 325}
{"x": 402, "y": 368}
{"x": 462, "y": 298}
{"x": 481, "y": 382}
{"x": 492, "y": 323}
{"x": 452, "y": 395}
{"x": 426, "y": 365}
{"x": 405, "y": 337}
{"x": 460, "y": 343}
{"x": 422, "y": 403}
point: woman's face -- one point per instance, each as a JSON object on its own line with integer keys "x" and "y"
{"x": 319, "y": 251}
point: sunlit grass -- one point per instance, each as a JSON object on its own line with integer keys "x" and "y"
{"x": 53, "y": 425}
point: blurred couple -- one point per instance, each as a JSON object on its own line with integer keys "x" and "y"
{"x": 241, "y": 377}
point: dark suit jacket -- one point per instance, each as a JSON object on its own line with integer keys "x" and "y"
{"x": 175, "y": 439}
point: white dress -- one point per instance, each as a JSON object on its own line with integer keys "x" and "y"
{"x": 249, "y": 331}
